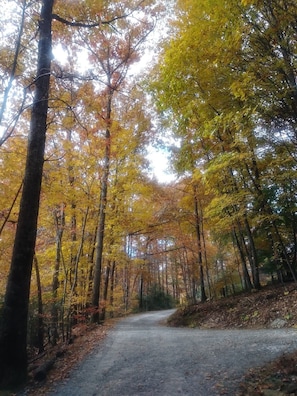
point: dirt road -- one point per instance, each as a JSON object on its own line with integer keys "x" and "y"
{"x": 142, "y": 357}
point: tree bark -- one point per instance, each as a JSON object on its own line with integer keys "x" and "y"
{"x": 246, "y": 277}
{"x": 101, "y": 224}
{"x": 59, "y": 217}
{"x": 105, "y": 289}
{"x": 40, "y": 308}
{"x": 254, "y": 256}
{"x": 13, "y": 331}
{"x": 199, "y": 244}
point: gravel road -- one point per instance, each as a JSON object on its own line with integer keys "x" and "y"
{"x": 140, "y": 356}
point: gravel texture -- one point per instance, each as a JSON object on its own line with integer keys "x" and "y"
{"x": 141, "y": 356}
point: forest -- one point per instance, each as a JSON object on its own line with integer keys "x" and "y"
{"x": 87, "y": 231}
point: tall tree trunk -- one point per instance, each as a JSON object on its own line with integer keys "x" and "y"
{"x": 59, "y": 217}
{"x": 166, "y": 289}
{"x": 199, "y": 245}
{"x": 284, "y": 251}
{"x": 126, "y": 285}
{"x": 294, "y": 229}
{"x": 175, "y": 279}
{"x": 246, "y": 277}
{"x": 254, "y": 256}
{"x": 209, "y": 285}
{"x": 73, "y": 283}
{"x": 105, "y": 289}
{"x": 13, "y": 331}
{"x": 140, "y": 306}
{"x": 101, "y": 223}
{"x": 184, "y": 265}
{"x": 112, "y": 284}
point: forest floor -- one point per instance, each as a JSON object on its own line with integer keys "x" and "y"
{"x": 272, "y": 307}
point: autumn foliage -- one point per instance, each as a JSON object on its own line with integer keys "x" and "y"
{"x": 110, "y": 238}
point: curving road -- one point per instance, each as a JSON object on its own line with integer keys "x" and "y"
{"x": 142, "y": 357}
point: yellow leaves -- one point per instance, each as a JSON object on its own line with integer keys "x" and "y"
{"x": 225, "y": 166}
{"x": 227, "y": 206}
{"x": 243, "y": 87}
{"x": 249, "y": 2}
{"x": 238, "y": 91}
{"x": 12, "y": 158}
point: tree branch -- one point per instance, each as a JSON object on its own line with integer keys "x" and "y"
{"x": 94, "y": 24}
{"x": 6, "y": 219}
{"x": 85, "y": 24}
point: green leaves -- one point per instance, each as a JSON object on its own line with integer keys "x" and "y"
{"x": 227, "y": 80}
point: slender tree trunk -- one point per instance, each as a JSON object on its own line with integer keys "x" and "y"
{"x": 126, "y": 280}
{"x": 105, "y": 289}
{"x": 209, "y": 285}
{"x": 284, "y": 251}
{"x": 59, "y": 217}
{"x": 101, "y": 224}
{"x": 199, "y": 244}
{"x": 91, "y": 259}
{"x": 254, "y": 256}
{"x": 166, "y": 275}
{"x": 13, "y": 332}
{"x": 193, "y": 290}
{"x": 294, "y": 229}
{"x": 75, "y": 260}
{"x": 246, "y": 277}
{"x": 141, "y": 293}
{"x": 112, "y": 284}
{"x": 175, "y": 280}
{"x": 184, "y": 265}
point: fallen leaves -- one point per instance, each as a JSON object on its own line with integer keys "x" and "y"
{"x": 278, "y": 378}
{"x": 249, "y": 310}
{"x": 261, "y": 309}
{"x": 85, "y": 339}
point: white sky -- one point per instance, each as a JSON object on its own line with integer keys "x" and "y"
{"x": 160, "y": 165}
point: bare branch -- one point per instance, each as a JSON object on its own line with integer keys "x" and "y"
{"x": 6, "y": 218}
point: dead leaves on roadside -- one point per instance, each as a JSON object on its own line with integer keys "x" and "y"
{"x": 279, "y": 378}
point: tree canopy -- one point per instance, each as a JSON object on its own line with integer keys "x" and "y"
{"x": 86, "y": 232}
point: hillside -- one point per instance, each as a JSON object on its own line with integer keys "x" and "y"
{"x": 271, "y": 307}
